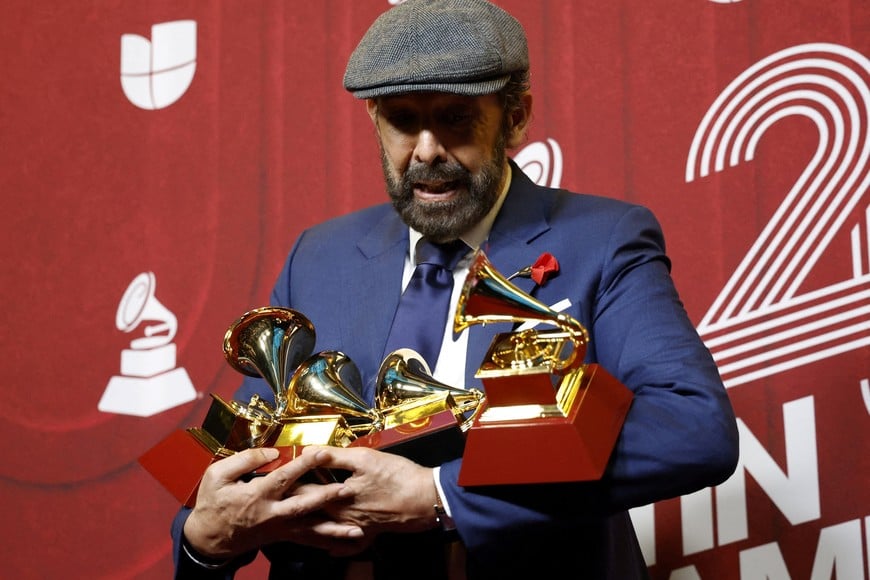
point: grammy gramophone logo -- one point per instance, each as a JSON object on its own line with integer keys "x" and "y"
{"x": 149, "y": 382}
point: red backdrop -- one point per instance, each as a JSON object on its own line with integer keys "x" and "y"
{"x": 743, "y": 125}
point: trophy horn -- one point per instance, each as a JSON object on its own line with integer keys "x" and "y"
{"x": 329, "y": 382}
{"x": 404, "y": 375}
{"x": 488, "y": 297}
{"x": 270, "y": 342}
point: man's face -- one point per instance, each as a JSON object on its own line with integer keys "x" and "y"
{"x": 443, "y": 157}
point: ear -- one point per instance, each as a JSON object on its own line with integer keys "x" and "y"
{"x": 372, "y": 108}
{"x": 519, "y": 122}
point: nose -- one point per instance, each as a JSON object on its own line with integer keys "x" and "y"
{"x": 429, "y": 148}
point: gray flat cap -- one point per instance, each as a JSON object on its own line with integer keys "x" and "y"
{"x": 465, "y": 47}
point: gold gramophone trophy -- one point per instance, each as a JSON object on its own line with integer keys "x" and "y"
{"x": 424, "y": 420}
{"x": 329, "y": 383}
{"x": 271, "y": 343}
{"x": 548, "y": 417}
{"x": 414, "y": 415}
{"x": 316, "y": 403}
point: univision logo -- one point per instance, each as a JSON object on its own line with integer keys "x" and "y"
{"x": 155, "y": 73}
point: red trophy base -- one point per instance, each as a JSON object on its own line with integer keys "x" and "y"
{"x": 573, "y": 447}
{"x": 179, "y": 461}
{"x": 429, "y": 441}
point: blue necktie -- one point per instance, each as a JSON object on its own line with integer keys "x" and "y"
{"x": 423, "y": 309}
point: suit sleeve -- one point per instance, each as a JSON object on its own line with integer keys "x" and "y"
{"x": 187, "y": 569}
{"x": 680, "y": 433}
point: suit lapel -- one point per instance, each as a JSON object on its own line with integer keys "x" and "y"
{"x": 374, "y": 286}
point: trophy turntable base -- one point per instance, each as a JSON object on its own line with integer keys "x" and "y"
{"x": 574, "y": 446}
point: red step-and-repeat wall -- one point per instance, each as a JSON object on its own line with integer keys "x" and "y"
{"x": 159, "y": 158}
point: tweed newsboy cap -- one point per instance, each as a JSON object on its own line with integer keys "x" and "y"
{"x": 464, "y": 47}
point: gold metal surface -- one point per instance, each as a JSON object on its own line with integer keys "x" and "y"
{"x": 570, "y": 388}
{"x": 328, "y": 382}
{"x": 510, "y": 413}
{"x": 404, "y": 375}
{"x": 488, "y": 297}
{"x": 270, "y": 342}
{"x": 209, "y": 442}
{"x": 315, "y": 430}
{"x": 317, "y": 396}
{"x": 317, "y": 402}
{"x": 236, "y": 426}
{"x": 415, "y": 410}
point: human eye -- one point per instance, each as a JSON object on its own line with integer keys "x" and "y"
{"x": 402, "y": 120}
{"x": 458, "y": 117}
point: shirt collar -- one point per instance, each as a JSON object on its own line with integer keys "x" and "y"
{"x": 479, "y": 232}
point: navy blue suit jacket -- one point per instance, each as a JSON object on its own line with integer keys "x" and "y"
{"x": 680, "y": 433}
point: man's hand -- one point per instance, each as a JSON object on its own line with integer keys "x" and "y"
{"x": 232, "y": 516}
{"x": 390, "y": 493}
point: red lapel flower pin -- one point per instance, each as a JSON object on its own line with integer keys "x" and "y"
{"x": 544, "y": 267}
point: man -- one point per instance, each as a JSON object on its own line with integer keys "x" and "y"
{"x": 446, "y": 87}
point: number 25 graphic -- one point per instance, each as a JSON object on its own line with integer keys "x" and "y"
{"x": 763, "y": 322}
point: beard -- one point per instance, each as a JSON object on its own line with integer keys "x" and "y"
{"x": 442, "y": 221}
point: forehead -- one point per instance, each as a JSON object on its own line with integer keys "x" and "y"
{"x": 434, "y": 101}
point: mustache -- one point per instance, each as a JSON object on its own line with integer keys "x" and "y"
{"x": 441, "y": 172}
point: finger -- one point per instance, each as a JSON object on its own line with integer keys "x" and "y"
{"x": 238, "y": 464}
{"x": 349, "y": 459}
{"x": 314, "y": 531}
{"x": 330, "y": 529}
{"x": 285, "y": 476}
{"x": 309, "y": 498}
{"x": 335, "y": 538}
{"x": 335, "y": 490}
